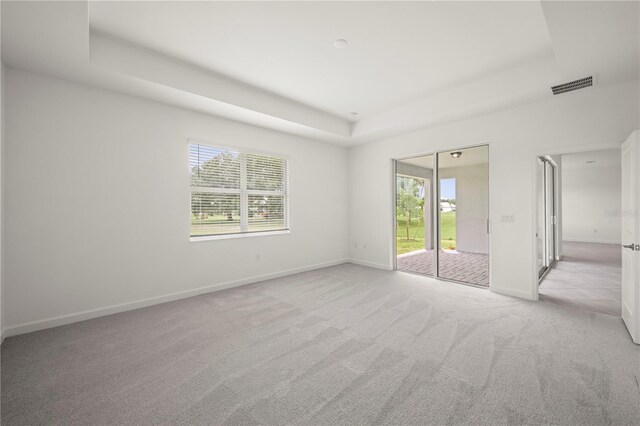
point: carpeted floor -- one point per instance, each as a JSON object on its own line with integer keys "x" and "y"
{"x": 342, "y": 345}
{"x": 589, "y": 276}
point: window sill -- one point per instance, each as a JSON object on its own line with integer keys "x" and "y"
{"x": 244, "y": 235}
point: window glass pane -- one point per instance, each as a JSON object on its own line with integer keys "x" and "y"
{"x": 266, "y": 212}
{"x": 214, "y": 213}
{"x": 265, "y": 172}
{"x": 236, "y": 192}
{"x": 214, "y": 167}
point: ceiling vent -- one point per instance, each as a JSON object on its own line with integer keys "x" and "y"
{"x": 572, "y": 85}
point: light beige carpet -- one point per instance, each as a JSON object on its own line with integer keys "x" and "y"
{"x": 342, "y": 345}
{"x": 589, "y": 276}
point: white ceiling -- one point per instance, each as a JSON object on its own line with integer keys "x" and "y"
{"x": 595, "y": 37}
{"x": 408, "y": 65}
{"x": 397, "y": 51}
{"x": 582, "y": 160}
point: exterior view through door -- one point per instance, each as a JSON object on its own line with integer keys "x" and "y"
{"x": 441, "y": 215}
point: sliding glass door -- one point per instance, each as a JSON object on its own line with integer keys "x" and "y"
{"x": 541, "y": 255}
{"x": 547, "y": 218}
{"x": 442, "y": 215}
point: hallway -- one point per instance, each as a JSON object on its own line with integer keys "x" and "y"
{"x": 589, "y": 276}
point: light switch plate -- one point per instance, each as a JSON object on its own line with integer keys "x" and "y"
{"x": 507, "y": 218}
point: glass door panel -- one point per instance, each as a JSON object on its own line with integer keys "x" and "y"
{"x": 463, "y": 195}
{"x": 414, "y": 215}
{"x": 541, "y": 216}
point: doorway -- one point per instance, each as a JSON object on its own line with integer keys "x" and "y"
{"x": 578, "y": 199}
{"x": 441, "y": 226}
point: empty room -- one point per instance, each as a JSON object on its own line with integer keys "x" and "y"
{"x": 320, "y": 213}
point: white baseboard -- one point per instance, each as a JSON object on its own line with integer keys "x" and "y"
{"x": 370, "y": 264}
{"x": 514, "y": 293}
{"x": 29, "y": 327}
{"x": 628, "y": 319}
{"x": 585, "y": 240}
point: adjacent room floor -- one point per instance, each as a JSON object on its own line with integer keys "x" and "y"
{"x": 455, "y": 265}
{"x": 589, "y": 276}
{"x": 341, "y": 345}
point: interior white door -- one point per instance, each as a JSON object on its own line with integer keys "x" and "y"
{"x": 631, "y": 235}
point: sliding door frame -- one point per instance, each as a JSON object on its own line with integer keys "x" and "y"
{"x": 550, "y": 206}
{"x": 394, "y": 194}
{"x": 394, "y": 216}
{"x": 435, "y": 213}
{"x": 435, "y": 218}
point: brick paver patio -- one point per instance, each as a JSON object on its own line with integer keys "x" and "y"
{"x": 460, "y": 266}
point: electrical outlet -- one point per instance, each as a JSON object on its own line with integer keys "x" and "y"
{"x": 355, "y": 245}
{"x": 257, "y": 256}
{"x": 364, "y": 246}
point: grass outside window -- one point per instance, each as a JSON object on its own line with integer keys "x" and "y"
{"x": 416, "y": 233}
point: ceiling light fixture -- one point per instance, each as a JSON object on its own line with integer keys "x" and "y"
{"x": 591, "y": 161}
{"x": 354, "y": 114}
{"x": 456, "y": 154}
{"x": 340, "y": 43}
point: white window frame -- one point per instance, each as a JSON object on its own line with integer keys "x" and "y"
{"x": 244, "y": 194}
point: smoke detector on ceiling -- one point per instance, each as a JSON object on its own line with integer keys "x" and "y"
{"x": 570, "y": 86}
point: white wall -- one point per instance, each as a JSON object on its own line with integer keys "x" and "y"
{"x": 2, "y": 127}
{"x": 602, "y": 116}
{"x": 472, "y": 206}
{"x": 2, "y": 140}
{"x": 591, "y": 200}
{"x": 97, "y": 204}
{"x": 96, "y": 209}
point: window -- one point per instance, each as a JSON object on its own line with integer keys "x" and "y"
{"x": 237, "y": 192}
